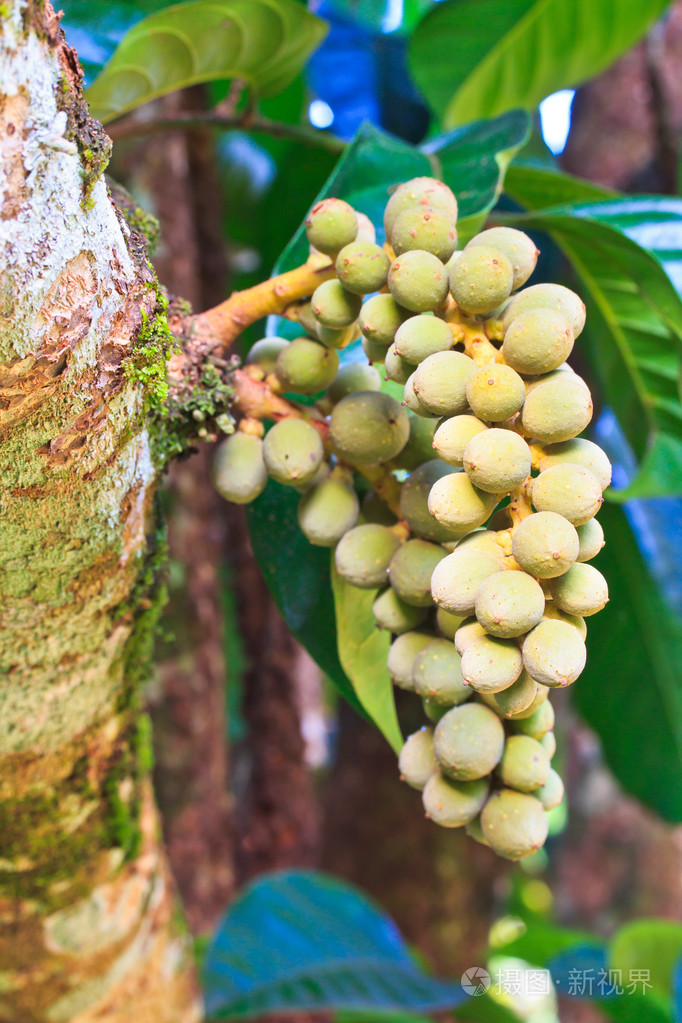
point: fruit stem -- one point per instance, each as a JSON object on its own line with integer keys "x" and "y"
{"x": 520, "y": 506}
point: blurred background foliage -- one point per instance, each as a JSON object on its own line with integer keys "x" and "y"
{"x": 283, "y": 107}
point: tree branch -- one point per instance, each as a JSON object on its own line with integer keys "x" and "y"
{"x": 132, "y": 127}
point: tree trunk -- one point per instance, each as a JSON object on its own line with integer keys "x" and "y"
{"x": 88, "y": 927}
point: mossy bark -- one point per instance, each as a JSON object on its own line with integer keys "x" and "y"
{"x": 88, "y": 928}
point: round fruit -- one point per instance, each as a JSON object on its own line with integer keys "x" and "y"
{"x": 335, "y": 307}
{"x": 306, "y": 366}
{"x": 440, "y": 382}
{"x": 419, "y": 447}
{"x": 481, "y": 279}
{"x": 427, "y": 193}
{"x": 418, "y": 281}
{"x": 328, "y": 511}
{"x": 547, "y": 296}
{"x": 239, "y": 473}
{"x": 524, "y": 765}
{"x": 293, "y": 451}
{"x": 425, "y": 229}
{"x": 362, "y": 267}
{"x": 469, "y": 631}
{"x": 537, "y": 341}
{"x": 545, "y": 544}
{"x": 518, "y": 697}
{"x": 591, "y": 540}
{"x": 417, "y": 761}
{"x": 497, "y": 461}
{"x": 552, "y": 792}
{"x": 458, "y": 504}
{"x": 364, "y": 554}
{"x": 447, "y": 624}
{"x": 568, "y": 490}
{"x": 537, "y": 724}
{"x": 394, "y": 615}
{"x": 452, "y": 804}
{"x": 411, "y": 569}
{"x": 509, "y": 604}
{"x": 514, "y": 824}
{"x": 519, "y": 249}
{"x": 495, "y": 393}
{"x": 557, "y": 409}
{"x": 581, "y": 591}
{"x": 458, "y": 576}
{"x": 396, "y": 369}
{"x": 264, "y": 353}
{"x": 414, "y": 501}
{"x": 368, "y": 427}
{"x": 554, "y": 653}
{"x": 468, "y": 742}
{"x": 437, "y": 674}
{"x": 330, "y": 225}
{"x": 421, "y": 336}
{"x": 380, "y": 318}
{"x": 354, "y": 376}
{"x": 578, "y": 451}
{"x": 452, "y": 436}
{"x": 490, "y": 664}
{"x": 402, "y": 654}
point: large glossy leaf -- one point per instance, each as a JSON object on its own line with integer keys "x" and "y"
{"x": 304, "y": 941}
{"x": 631, "y": 689}
{"x": 297, "y": 575}
{"x": 363, "y": 650}
{"x": 628, "y": 254}
{"x": 651, "y": 945}
{"x": 263, "y": 42}
{"x": 478, "y": 58}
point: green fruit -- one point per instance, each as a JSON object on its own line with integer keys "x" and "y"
{"x": 537, "y": 341}
{"x": 545, "y": 544}
{"x": 330, "y": 225}
{"x": 426, "y": 193}
{"x": 239, "y": 473}
{"x": 424, "y": 229}
{"x": 554, "y": 653}
{"x": 412, "y": 402}
{"x": 575, "y": 620}
{"x": 335, "y": 307}
{"x": 557, "y": 409}
{"x": 437, "y": 674}
{"x": 495, "y": 393}
{"x": 414, "y": 498}
{"x": 368, "y": 427}
{"x": 469, "y": 631}
{"x": 411, "y": 569}
{"x": 473, "y": 830}
{"x": 458, "y": 576}
{"x": 568, "y": 490}
{"x": 468, "y": 742}
{"x": 374, "y": 510}
{"x": 519, "y": 249}
{"x": 395, "y": 368}
{"x": 486, "y": 540}
{"x": 322, "y": 474}
{"x": 306, "y": 366}
{"x": 380, "y": 318}
{"x": 591, "y": 540}
{"x": 418, "y": 281}
{"x": 421, "y": 336}
{"x": 524, "y": 765}
{"x": 541, "y": 696}
{"x": 440, "y": 382}
{"x": 327, "y": 512}
{"x": 362, "y": 267}
{"x": 480, "y": 280}
{"x": 497, "y": 461}
{"x": 458, "y": 504}
{"x": 548, "y": 743}
{"x": 366, "y": 230}
{"x": 354, "y": 376}
{"x": 509, "y": 604}
{"x": 552, "y": 792}
{"x": 452, "y": 436}
{"x": 452, "y": 804}
{"x": 518, "y": 697}
{"x": 394, "y": 615}
{"x": 583, "y": 590}
{"x": 536, "y": 724}
{"x": 578, "y": 451}
{"x": 547, "y": 296}
{"x": 514, "y": 824}
{"x": 332, "y": 338}
{"x": 364, "y": 554}
{"x": 490, "y": 664}
{"x": 419, "y": 447}
{"x": 293, "y": 452}
{"x": 264, "y": 353}
{"x": 447, "y": 623}
{"x": 433, "y": 711}
{"x": 374, "y": 352}
{"x": 402, "y": 654}
{"x": 417, "y": 761}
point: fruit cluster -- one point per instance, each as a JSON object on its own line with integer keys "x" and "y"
{"x": 480, "y": 548}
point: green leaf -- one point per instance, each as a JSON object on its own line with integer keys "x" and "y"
{"x": 263, "y": 42}
{"x": 541, "y": 942}
{"x": 304, "y": 941}
{"x": 537, "y": 186}
{"x": 363, "y": 650}
{"x": 381, "y": 15}
{"x": 628, "y": 254}
{"x": 479, "y": 58}
{"x": 631, "y": 689}
{"x": 297, "y": 575}
{"x": 653, "y": 945}
{"x": 484, "y": 1009}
